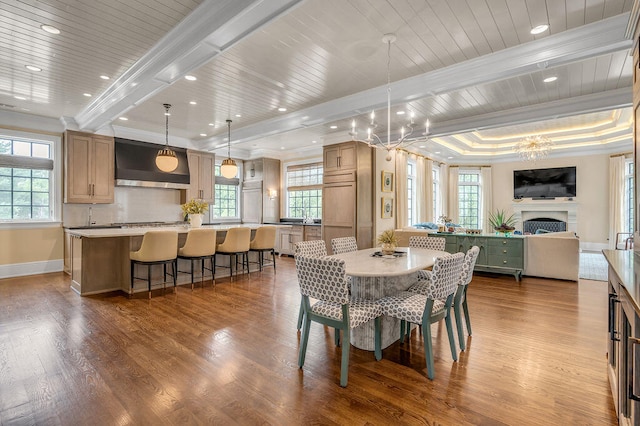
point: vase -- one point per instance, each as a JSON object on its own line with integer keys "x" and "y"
{"x": 388, "y": 248}
{"x": 195, "y": 220}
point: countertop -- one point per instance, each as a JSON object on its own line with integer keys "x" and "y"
{"x": 133, "y": 231}
{"x": 626, "y": 264}
{"x": 361, "y": 264}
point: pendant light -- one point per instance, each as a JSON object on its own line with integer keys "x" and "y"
{"x": 229, "y": 169}
{"x": 166, "y": 159}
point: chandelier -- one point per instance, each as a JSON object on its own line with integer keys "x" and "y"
{"x": 534, "y": 148}
{"x": 166, "y": 159}
{"x": 406, "y": 131}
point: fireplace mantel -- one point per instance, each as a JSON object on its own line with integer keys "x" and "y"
{"x": 555, "y": 209}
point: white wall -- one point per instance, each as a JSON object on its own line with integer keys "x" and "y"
{"x": 592, "y": 174}
{"x": 380, "y": 165}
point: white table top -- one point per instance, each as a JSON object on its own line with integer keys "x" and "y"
{"x": 130, "y": 232}
{"x": 361, "y": 264}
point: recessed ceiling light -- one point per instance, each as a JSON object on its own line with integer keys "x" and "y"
{"x": 211, "y": 124}
{"x": 20, "y": 98}
{"x": 449, "y": 158}
{"x": 104, "y": 77}
{"x": 123, "y": 118}
{"x": 190, "y": 77}
{"x": 333, "y": 127}
{"x": 282, "y": 109}
{"x": 50, "y": 29}
{"x": 134, "y": 84}
{"x": 25, "y": 109}
{"x": 88, "y": 95}
{"x": 422, "y": 146}
{"x": 193, "y": 103}
{"x": 238, "y": 115}
{"x": 33, "y": 68}
{"x": 539, "y": 29}
{"x": 437, "y": 152}
{"x": 314, "y": 141}
{"x": 550, "y": 79}
{"x": 282, "y": 147}
{"x": 203, "y": 134}
{"x": 399, "y": 112}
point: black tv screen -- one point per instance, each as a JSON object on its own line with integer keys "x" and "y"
{"x": 544, "y": 183}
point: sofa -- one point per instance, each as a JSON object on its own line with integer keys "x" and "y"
{"x": 403, "y": 235}
{"x": 553, "y": 255}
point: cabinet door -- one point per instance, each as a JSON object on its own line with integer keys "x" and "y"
{"x": 348, "y": 157}
{"x": 331, "y": 155}
{"x": 338, "y": 204}
{"x": 252, "y": 205}
{"x": 103, "y": 173}
{"x": 193, "y": 191}
{"x": 207, "y": 163}
{"x": 78, "y": 168}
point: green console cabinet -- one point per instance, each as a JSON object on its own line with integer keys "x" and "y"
{"x": 498, "y": 254}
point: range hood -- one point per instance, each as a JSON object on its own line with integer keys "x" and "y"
{"x": 136, "y": 166}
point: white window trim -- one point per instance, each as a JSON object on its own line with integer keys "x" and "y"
{"x": 55, "y": 190}
{"x": 478, "y": 184}
{"x": 237, "y": 219}
{"x": 285, "y": 199}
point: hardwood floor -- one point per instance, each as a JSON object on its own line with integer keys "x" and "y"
{"x": 228, "y": 355}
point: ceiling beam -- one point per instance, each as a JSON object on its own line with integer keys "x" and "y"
{"x": 212, "y": 28}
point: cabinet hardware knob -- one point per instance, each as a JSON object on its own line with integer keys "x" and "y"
{"x": 504, "y": 251}
{"x": 504, "y": 261}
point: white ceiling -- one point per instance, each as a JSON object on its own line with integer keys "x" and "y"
{"x": 472, "y": 67}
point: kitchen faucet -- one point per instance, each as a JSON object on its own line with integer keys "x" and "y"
{"x": 91, "y": 222}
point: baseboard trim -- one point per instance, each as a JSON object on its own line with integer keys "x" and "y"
{"x": 31, "y": 268}
{"x": 587, "y": 246}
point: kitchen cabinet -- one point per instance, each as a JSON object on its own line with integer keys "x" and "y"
{"x": 201, "y": 185}
{"x": 89, "y": 168}
{"x": 252, "y": 202}
{"x": 342, "y": 156}
{"x": 265, "y": 171}
{"x": 312, "y": 233}
{"x": 288, "y": 237}
{"x": 347, "y": 193}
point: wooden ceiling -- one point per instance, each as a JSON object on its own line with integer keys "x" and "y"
{"x": 469, "y": 66}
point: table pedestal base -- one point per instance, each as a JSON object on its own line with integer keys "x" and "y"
{"x": 363, "y": 337}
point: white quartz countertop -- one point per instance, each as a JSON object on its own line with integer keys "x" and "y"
{"x": 130, "y": 232}
{"x": 361, "y": 264}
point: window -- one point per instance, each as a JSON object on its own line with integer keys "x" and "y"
{"x": 27, "y": 179}
{"x": 304, "y": 190}
{"x": 437, "y": 208}
{"x": 411, "y": 193}
{"x": 628, "y": 196}
{"x": 469, "y": 199}
{"x": 227, "y": 196}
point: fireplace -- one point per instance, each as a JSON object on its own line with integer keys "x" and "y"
{"x": 550, "y": 210}
{"x": 544, "y": 223}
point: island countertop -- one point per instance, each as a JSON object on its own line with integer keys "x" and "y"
{"x": 136, "y": 231}
{"x": 626, "y": 265}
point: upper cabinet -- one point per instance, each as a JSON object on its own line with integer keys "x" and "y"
{"x": 341, "y": 156}
{"x": 201, "y": 166}
{"x": 89, "y": 168}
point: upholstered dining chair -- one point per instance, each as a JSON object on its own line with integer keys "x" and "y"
{"x": 324, "y": 279}
{"x": 236, "y": 243}
{"x": 263, "y": 241}
{"x": 157, "y": 248}
{"x": 426, "y": 309}
{"x": 433, "y": 243}
{"x": 200, "y": 245}
{"x": 314, "y": 248}
{"x": 460, "y": 299}
{"x": 344, "y": 245}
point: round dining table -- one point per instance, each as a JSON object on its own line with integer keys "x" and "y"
{"x": 374, "y": 276}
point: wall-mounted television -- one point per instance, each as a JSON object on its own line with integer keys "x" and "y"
{"x": 545, "y": 183}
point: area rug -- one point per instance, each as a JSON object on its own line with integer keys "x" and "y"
{"x": 593, "y": 266}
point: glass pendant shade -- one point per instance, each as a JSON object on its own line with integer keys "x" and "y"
{"x": 166, "y": 159}
{"x": 229, "y": 169}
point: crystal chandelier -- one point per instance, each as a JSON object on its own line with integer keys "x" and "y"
{"x": 406, "y": 131}
{"x": 166, "y": 159}
{"x": 534, "y": 148}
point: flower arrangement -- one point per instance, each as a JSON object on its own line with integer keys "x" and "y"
{"x": 501, "y": 222}
{"x": 443, "y": 218}
{"x": 194, "y": 207}
{"x": 388, "y": 237}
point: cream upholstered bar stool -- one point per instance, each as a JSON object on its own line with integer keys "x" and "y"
{"x": 263, "y": 241}
{"x": 237, "y": 242}
{"x": 157, "y": 248}
{"x": 200, "y": 245}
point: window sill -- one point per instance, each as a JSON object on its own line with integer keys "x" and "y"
{"x": 30, "y": 224}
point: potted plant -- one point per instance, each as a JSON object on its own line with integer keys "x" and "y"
{"x": 388, "y": 241}
{"x": 499, "y": 220}
{"x": 194, "y": 209}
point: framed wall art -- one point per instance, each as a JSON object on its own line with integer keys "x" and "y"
{"x": 387, "y": 207}
{"x": 387, "y": 181}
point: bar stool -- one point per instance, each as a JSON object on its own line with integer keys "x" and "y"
{"x": 236, "y": 242}
{"x": 200, "y": 245}
{"x": 264, "y": 240}
{"x": 157, "y": 248}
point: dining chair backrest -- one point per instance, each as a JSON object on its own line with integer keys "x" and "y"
{"x": 237, "y": 240}
{"x": 433, "y": 243}
{"x": 344, "y": 245}
{"x": 468, "y": 265}
{"x": 158, "y": 246}
{"x": 315, "y": 248}
{"x": 200, "y": 242}
{"x": 322, "y": 278}
{"x": 264, "y": 238}
{"x": 445, "y": 276}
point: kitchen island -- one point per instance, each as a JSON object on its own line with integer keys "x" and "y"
{"x": 99, "y": 257}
